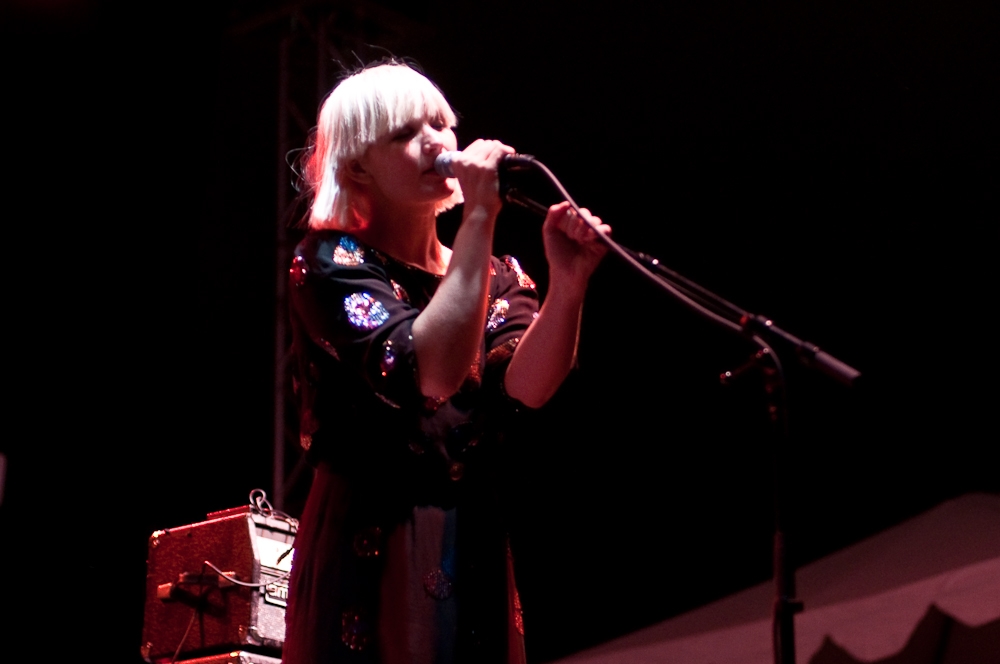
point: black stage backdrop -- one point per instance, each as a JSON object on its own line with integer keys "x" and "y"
{"x": 832, "y": 167}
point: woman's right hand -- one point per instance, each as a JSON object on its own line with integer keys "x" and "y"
{"x": 449, "y": 331}
{"x": 476, "y": 168}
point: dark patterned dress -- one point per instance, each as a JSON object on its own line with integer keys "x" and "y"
{"x": 402, "y": 555}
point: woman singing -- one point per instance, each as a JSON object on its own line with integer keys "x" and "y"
{"x": 410, "y": 357}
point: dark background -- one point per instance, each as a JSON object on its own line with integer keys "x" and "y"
{"x": 832, "y": 167}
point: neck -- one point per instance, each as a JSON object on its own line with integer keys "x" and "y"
{"x": 409, "y": 236}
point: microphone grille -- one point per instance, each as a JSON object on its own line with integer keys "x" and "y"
{"x": 442, "y": 164}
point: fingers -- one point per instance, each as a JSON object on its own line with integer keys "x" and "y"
{"x": 488, "y": 146}
{"x": 486, "y": 153}
{"x": 573, "y": 224}
{"x": 476, "y": 168}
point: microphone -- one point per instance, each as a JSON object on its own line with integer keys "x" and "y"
{"x": 509, "y": 162}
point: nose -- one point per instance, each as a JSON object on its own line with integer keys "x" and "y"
{"x": 434, "y": 140}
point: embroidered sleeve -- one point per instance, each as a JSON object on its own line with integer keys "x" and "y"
{"x": 513, "y": 307}
{"x": 350, "y": 308}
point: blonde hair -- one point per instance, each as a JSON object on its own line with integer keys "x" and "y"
{"x": 361, "y": 109}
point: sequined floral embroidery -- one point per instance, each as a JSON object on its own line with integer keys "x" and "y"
{"x": 498, "y": 314}
{"x": 328, "y": 347}
{"x": 355, "y": 629}
{"x": 518, "y": 614}
{"x": 366, "y": 542}
{"x": 517, "y": 609}
{"x": 437, "y": 584}
{"x": 501, "y": 352}
{"x": 308, "y": 425}
{"x": 348, "y": 252}
{"x": 523, "y": 280}
{"x": 388, "y": 357}
{"x": 298, "y": 271}
{"x": 475, "y": 377}
{"x": 399, "y": 292}
{"x": 387, "y": 401}
{"x": 431, "y": 404}
{"x": 364, "y": 311}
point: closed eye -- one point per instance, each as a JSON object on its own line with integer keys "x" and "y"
{"x": 404, "y": 133}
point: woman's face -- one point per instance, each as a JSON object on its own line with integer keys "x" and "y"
{"x": 400, "y": 165}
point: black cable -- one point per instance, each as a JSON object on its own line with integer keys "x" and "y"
{"x": 196, "y": 611}
{"x": 194, "y": 614}
{"x": 685, "y": 291}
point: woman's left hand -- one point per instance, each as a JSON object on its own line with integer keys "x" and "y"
{"x": 547, "y": 350}
{"x": 572, "y": 248}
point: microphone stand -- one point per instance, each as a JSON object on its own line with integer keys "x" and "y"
{"x": 763, "y": 332}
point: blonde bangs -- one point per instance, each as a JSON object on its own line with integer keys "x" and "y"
{"x": 386, "y": 98}
{"x": 360, "y": 110}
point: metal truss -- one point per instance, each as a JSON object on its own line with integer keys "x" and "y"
{"x": 315, "y": 43}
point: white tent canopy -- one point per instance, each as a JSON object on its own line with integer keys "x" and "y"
{"x": 864, "y": 603}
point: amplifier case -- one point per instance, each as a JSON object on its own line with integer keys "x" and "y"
{"x": 187, "y": 601}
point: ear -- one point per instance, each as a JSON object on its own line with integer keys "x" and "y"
{"x": 355, "y": 171}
